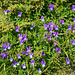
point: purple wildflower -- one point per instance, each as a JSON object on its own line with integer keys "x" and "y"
{"x": 17, "y": 63}
{"x": 74, "y": 72}
{"x": 51, "y": 24}
{"x": 24, "y": 37}
{"x": 46, "y": 26}
{"x": 66, "y": 31}
{"x": 68, "y": 61}
{"x": 56, "y": 27}
{"x": 42, "y": 53}
{"x": 11, "y": 59}
{"x": 32, "y": 26}
{"x": 73, "y": 7}
{"x": 54, "y": 42}
{"x": 70, "y": 69}
{"x": 20, "y": 36}
{"x": 51, "y": 6}
{"x": 41, "y": 60}
{"x": 23, "y": 66}
{"x": 26, "y": 53}
{"x": 53, "y": 50}
{"x": 4, "y": 55}
{"x": 32, "y": 62}
{"x": 18, "y": 55}
{"x": 55, "y": 34}
{"x": 69, "y": 27}
{"x": 6, "y": 11}
{"x": 74, "y": 20}
{"x": 23, "y": 52}
{"x": 49, "y": 37}
{"x": 4, "y": 46}
{"x": 73, "y": 42}
{"x": 31, "y": 55}
{"x": 73, "y": 30}
{"x": 28, "y": 49}
{"x": 45, "y": 35}
{"x": 50, "y": 30}
{"x": 14, "y": 64}
{"x": 39, "y": 70}
{"x": 17, "y": 28}
{"x": 19, "y": 14}
{"x": 42, "y": 18}
{"x": 21, "y": 42}
{"x": 58, "y": 50}
{"x": 9, "y": 45}
{"x": 74, "y": 25}
{"x": 62, "y": 21}
{"x": 37, "y": 34}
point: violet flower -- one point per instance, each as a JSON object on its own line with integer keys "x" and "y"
{"x": 74, "y": 72}
{"x": 38, "y": 35}
{"x": 73, "y": 7}
{"x": 58, "y": 50}
{"x": 49, "y": 37}
{"x": 55, "y": 34}
{"x": 11, "y": 59}
{"x": 9, "y": 45}
{"x": 21, "y": 42}
{"x": 62, "y": 21}
{"x": 4, "y": 55}
{"x": 69, "y": 27}
{"x": 19, "y": 14}
{"x": 56, "y": 27}
{"x": 31, "y": 55}
{"x": 32, "y": 26}
{"x": 74, "y": 20}
{"x": 66, "y": 31}
{"x": 14, "y": 64}
{"x": 17, "y": 28}
{"x": 45, "y": 35}
{"x": 17, "y": 63}
{"x": 74, "y": 25}
{"x": 54, "y": 42}
{"x": 68, "y": 61}
{"x": 73, "y": 30}
{"x": 51, "y": 6}
{"x": 24, "y": 37}
{"x": 24, "y": 52}
{"x": 39, "y": 70}
{"x": 70, "y": 69}
{"x": 4, "y": 46}
{"x": 46, "y": 26}
{"x": 41, "y": 60}
{"x": 6, "y": 11}
{"x": 20, "y": 36}
{"x": 32, "y": 62}
{"x": 42, "y": 18}
{"x": 51, "y": 24}
{"x": 28, "y": 49}
{"x": 23, "y": 66}
{"x": 50, "y": 30}
{"x": 73, "y": 42}
{"x": 18, "y": 55}
{"x": 42, "y": 53}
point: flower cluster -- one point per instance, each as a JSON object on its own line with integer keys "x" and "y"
{"x": 4, "y": 55}
{"x": 22, "y": 39}
{"x": 6, "y": 46}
